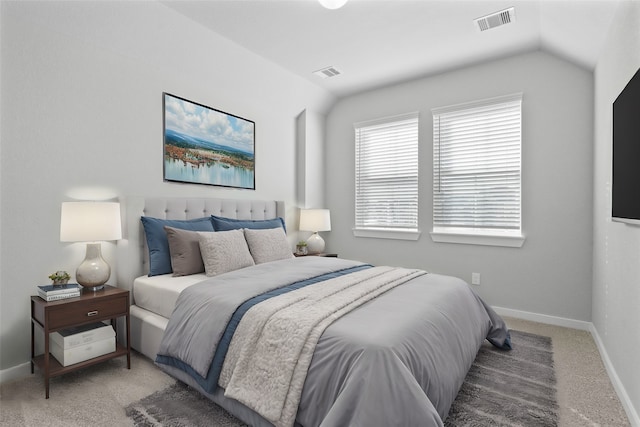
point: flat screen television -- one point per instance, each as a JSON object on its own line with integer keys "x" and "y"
{"x": 626, "y": 154}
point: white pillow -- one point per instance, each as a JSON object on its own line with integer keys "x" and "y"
{"x": 224, "y": 251}
{"x": 268, "y": 244}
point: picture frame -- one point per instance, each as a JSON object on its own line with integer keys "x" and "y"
{"x": 202, "y": 145}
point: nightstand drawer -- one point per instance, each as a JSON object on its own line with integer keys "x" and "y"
{"x": 75, "y": 313}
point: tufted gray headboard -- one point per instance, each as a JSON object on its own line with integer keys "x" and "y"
{"x": 132, "y": 261}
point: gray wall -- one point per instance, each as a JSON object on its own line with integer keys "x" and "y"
{"x": 616, "y": 256}
{"x": 551, "y": 274}
{"x": 81, "y": 107}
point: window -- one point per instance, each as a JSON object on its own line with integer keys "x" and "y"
{"x": 476, "y": 172}
{"x": 387, "y": 178}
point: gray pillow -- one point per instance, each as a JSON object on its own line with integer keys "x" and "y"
{"x": 184, "y": 248}
{"x": 268, "y": 244}
{"x": 224, "y": 251}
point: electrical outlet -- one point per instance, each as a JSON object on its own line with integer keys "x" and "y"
{"x": 475, "y": 279}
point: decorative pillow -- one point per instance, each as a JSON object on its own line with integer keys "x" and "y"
{"x": 224, "y": 224}
{"x": 268, "y": 244}
{"x": 184, "y": 248}
{"x": 159, "y": 255}
{"x": 224, "y": 251}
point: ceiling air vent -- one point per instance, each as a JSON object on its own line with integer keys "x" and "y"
{"x": 497, "y": 19}
{"x": 327, "y": 72}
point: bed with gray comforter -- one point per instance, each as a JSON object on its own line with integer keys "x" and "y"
{"x": 326, "y": 341}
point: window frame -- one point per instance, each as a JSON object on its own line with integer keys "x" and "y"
{"x": 477, "y": 235}
{"x": 388, "y": 232}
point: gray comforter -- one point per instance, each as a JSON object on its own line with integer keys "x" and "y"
{"x": 399, "y": 359}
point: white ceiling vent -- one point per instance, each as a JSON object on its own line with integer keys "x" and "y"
{"x": 496, "y": 19}
{"x": 327, "y": 72}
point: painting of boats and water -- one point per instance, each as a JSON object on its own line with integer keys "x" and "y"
{"x": 206, "y": 146}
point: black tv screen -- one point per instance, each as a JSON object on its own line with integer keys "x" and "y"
{"x": 626, "y": 154}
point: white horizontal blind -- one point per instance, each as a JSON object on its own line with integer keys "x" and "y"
{"x": 387, "y": 173}
{"x": 477, "y": 162}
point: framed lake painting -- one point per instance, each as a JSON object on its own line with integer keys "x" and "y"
{"x": 205, "y": 146}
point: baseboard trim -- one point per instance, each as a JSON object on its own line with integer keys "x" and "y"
{"x": 17, "y": 372}
{"x": 632, "y": 413}
{"x": 544, "y": 318}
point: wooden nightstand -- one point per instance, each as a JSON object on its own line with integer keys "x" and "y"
{"x": 106, "y": 304}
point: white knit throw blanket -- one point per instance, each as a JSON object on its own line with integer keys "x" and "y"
{"x": 270, "y": 353}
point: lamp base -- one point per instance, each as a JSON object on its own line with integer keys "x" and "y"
{"x": 93, "y": 288}
{"x": 315, "y": 244}
{"x": 94, "y": 271}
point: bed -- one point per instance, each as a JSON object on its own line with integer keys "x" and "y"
{"x": 306, "y": 341}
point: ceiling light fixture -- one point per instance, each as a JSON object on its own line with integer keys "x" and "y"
{"x": 333, "y": 4}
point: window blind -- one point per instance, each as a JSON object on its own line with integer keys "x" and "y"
{"x": 477, "y": 166}
{"x": 387, "y": 173}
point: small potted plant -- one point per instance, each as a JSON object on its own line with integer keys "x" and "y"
{"x": 301, "y": 248}
{"x": 60, "y": 277}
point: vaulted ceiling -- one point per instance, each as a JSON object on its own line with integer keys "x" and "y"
{"x": 379, "y": 42}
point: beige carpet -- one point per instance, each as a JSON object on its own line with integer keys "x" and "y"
{"x": 585, "y": 394}
{"x": 98, "y": 395}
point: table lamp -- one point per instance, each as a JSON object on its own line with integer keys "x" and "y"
{"x": 315, "y": 220}
{"x": 91, "y": 222}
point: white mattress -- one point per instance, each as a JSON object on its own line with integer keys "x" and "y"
{"x": 158, "y": 294}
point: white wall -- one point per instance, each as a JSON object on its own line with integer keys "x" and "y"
{"x": 82, "y": 116}
{"x": 551, "y": 274}
{"x": 616, "y": 256}
{"x": 311, "y": 162}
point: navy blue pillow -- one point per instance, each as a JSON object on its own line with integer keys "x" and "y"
{"x": 159, "y": 255}
{"x": 226, "y": 224}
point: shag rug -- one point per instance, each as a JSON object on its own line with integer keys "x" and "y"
{"x": 502, "y": 388}
{"x": 509, "y": 388}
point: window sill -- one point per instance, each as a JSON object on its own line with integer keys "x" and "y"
{"x": 380, "y": 233}
{"x": 506, "y": 240}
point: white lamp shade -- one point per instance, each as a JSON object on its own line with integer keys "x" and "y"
{"x": 315, "y": 220}
{"x": 90, "y": 221}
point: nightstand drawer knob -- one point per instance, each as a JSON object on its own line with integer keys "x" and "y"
{"x": 92, "y": 313}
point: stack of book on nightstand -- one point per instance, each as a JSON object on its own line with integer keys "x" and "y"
{"x": 74, "y": 345}
{"x": 56, "y": 292}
